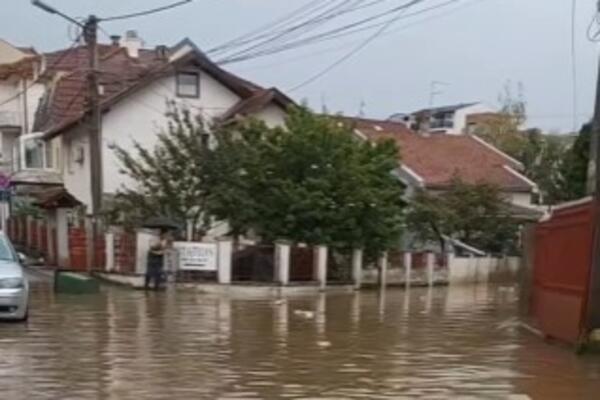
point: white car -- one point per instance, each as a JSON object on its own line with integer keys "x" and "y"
{"x": 14, "y": 287}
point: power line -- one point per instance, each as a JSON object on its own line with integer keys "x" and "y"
{"x": 338, "y": 32}
{"x": 37, "y": 80}
{"x": 147, "y": 12}
{"x": 343, "y": 46}
{"x": 361, "y": 46}
{"x": 299, "y": 28}
{"x": 574, "y": 61}
{"x": 252, "y": 35}
{"x": 249, "y": 39}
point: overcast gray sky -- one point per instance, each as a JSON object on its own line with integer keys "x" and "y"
{"x": 475, "y": 47}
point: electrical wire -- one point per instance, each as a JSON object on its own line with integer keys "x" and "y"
{"x": 343, "y": 46}
{"x": 299, "y": 28}
{"x": 37, "y": 80}
{"x": 340, "y": 31}
{"x": 574, "y": 62}
{"x": 252, "y": 35}
{"x": 354, "y": 51}
{"x": 249, "y": 39}
{"x": 147, "y": 12}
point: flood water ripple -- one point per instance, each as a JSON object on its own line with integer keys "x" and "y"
{"x": 444, "y": 343}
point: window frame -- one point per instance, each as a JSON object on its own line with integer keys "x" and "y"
{"x": 178, "y": 84}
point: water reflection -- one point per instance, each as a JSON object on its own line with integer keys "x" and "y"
{"x": 422, "y": 343}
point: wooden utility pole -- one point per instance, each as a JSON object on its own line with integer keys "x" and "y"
{"x": 593, "y": 300}
{"x": 94, "y": 133}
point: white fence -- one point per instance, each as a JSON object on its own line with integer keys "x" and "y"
{"x": 456, "y": 271}
{"x": 466, "y": 270}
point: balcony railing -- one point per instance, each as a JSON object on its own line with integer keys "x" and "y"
{"x": 10, "y": 118}
{"x": 441, "y": 123}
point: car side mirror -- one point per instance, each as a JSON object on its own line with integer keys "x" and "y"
{"x": 22, "y": 258}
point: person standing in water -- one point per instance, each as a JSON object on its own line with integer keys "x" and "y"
{"x": 156, "y": 261}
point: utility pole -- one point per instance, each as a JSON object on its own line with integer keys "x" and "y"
{"x": 90, "y": 33}
{"x": 593, "y": 313}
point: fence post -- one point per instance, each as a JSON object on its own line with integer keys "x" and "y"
{"x": 224, "y": 254}
{"x": 62, "y": 238}
{"x": 109, "y": 240}
{"x": 357, "y": 264}
{"x": 430, "y": 268}
{"x": 407, "y": 268}
{"x": 383, "y": 267}
{"x": 282, "y": 262}
{"x": 321, "y": 266}
{"x": 29, "y": 238}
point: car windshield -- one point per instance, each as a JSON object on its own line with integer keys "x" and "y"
{"x": 6, "y": 250}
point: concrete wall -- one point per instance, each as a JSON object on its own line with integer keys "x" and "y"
{"x": 459, "y": 271}
{"x": 9, "y": 53}
{"x": 397, "y": 277}
{"x": 76, "y": 175}
{"x": 464, "y": 270}
{"x": 139, "y": 118}
{"x": 521, "y": 199}
{"x": 460, "y": 117}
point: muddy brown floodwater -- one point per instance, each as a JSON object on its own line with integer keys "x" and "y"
{"x": 445, "y": 343}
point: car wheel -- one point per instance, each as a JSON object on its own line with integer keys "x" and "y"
{"x": 26, "y": 316}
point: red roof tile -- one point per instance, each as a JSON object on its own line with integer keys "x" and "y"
{"x": 438, "y": 159}
{"x": 119, "y": 75}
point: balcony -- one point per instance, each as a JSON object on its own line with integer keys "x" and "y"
{"x": 441, "y": 124}
{"x": 10, "y": 118}
{"x": 32, "y": 161}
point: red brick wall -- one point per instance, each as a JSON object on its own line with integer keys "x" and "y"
{"x": 77, "y": 249}
{"x": 34, "y": 234}
{"x": 101, "y": 254}
{"x": 125, "y": 252}
{"x": 43, "y": 241}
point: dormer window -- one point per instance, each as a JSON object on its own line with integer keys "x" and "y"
{"x": 188, "y": 84}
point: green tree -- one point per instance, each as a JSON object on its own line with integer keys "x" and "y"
{"x": 574, "y": 168}
{"x": 474, "y": 214}
{"x": 504, "y": 129}
{"x": 170, "y": 178}
{"x": 312, "y": 181}
{"x": 543, "y": 157}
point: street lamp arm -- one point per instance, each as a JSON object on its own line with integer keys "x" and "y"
{"x": 51, "y": 10}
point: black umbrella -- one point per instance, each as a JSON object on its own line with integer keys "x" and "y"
{"x": 162, "y": 223}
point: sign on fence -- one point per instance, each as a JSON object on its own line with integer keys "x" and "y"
{"x": 195, "y": 256}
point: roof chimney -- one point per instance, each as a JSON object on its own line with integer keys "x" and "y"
{"x": 162, "y": 52}
{"x": 423, "y": 122}
{"x": 115, "y": 40}
{"x": 133, "y": 43}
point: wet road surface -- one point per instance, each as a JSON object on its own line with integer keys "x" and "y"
{"x": 445, "y": 343}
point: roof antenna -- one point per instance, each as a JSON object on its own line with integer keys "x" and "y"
{"x": 435, "y": 89}
{"x": 361, "y": 108}
{"x": 324, "y": 109}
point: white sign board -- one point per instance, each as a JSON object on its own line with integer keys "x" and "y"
{"x": 196, "y": 256}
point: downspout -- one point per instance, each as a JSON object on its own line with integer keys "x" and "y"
{"x": 25, "y": 108}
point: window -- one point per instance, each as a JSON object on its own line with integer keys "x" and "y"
{"x": 34, "y": 153}
{"x": 188, "y": 84}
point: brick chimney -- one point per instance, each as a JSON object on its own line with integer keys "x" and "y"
{"x": 133, "y": 43}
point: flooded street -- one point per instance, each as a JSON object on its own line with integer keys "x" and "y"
{"x": 432, "y": 344}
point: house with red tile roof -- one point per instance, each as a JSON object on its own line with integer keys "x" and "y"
{"x": 432, "y": 162}
{"x": 135, "y": 84}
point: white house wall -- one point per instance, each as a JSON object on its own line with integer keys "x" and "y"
{"x": 521, "y": 199}
{"x": 272, "y": 115}
{"x": 140, "y": 117}
{"x": 13, "y": 112}
{"x": 76, "y": 176}
{"x": 9, "y": 53}
{"x": 460, "y": 117}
